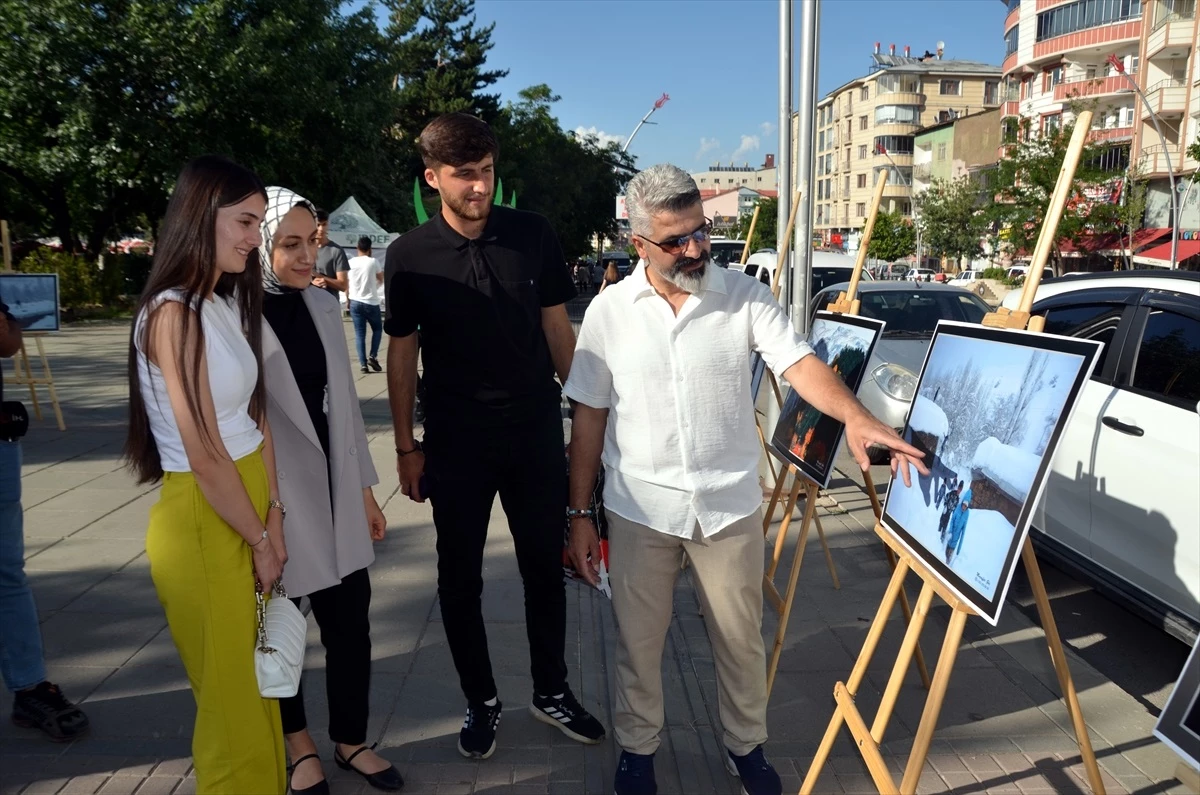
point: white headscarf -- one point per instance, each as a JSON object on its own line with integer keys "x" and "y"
{"x": 280, "y": 202}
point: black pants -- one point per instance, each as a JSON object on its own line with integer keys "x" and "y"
{"x": 526, "y": 465}
{"x": 342, "y": 616}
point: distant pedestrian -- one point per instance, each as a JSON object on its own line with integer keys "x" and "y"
{"x": 318, "y": 434}
{"x": 950, "y": 502}
{"x": 197, "y": 422}
{"x": 661, "y": 390}
{"x": 958, "y": 524}
{"x": 611, "y": 275}
{"x": 488, "y": 287}
{"x": 364, "y": 278}
{"x": 37, "y": 703}
{"x": 331, "y": 260}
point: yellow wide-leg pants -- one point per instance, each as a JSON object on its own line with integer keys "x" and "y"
{"x": 203, "y": 574}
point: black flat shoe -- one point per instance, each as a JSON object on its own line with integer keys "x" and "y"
{"x": 320, "y": 788}
{"x": 387, "y": 780}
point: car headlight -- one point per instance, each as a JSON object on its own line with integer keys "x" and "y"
{"x": 897, "y": 382}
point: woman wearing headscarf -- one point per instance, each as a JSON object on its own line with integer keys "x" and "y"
{"x": 325, "y": 476}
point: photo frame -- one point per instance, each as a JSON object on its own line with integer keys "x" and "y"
{"x": 988, "y": 412}
{"x": 32, "y": 298}
{"x": 758, "y": 369}
{"x": 1179, "y": 723}
{"x": 804, "y": 437}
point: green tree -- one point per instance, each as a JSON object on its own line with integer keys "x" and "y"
{"x": 578, "y": 192}
{"x": 950, "y": 219}
{"x": 892, "y": 238}
{"x": 766, "y": 228}
{"x": 1024, "y": 183}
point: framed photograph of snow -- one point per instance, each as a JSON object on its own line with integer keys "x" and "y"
{"x": 989, "y": 409}
{"x": 1179, "y": 724}
{"x": 32, "y": 299}
{"x": 804, "y": 437}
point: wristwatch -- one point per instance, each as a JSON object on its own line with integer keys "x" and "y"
{"x": 279, "y": 505}
{"x": 581, "y": 513}
{"x": 415, "y": 449}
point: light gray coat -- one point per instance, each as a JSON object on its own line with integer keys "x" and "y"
{"x": 324, "y": 542}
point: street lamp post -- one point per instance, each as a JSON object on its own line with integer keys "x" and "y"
{"x": 1119, "y": 65}
{"x": 882, "y": 150}
{"x": 658, "y": 103}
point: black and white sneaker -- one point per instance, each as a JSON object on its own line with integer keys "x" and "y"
{"x": 568, "y": 716}
{"x": 477, "y": 740}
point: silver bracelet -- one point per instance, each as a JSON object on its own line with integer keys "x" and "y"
{"x": 256, "y": 544}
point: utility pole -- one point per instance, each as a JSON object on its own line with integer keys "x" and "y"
{"x": 806, "y": 110}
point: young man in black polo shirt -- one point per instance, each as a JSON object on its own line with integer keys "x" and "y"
{"x": 487, "y": 285}
{"x": 331, "y": 260}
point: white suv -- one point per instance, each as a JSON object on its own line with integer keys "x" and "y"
{"x": 1121, "y": 501}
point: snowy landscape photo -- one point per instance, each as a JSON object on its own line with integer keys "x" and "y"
{"x": 1179, "y": 723}
{"x": 989, "y": 409}
{"x": 32, "y": 299}
{"x": 805, "y": 437}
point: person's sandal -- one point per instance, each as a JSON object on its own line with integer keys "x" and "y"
{"x": 45, "y": 707}
{"x": 388, "y": 780}
{"x": 320, "y": 788}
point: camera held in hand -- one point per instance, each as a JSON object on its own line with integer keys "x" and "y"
{"x": 14, "y": 420}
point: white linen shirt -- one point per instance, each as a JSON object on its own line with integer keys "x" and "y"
{"x": 680, "y": 447}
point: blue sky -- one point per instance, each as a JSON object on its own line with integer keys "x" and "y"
{"x": 718, "y": 59}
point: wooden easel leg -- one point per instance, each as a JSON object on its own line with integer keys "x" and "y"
{"x": 1059, "y": 658}
{"x": 781, "y": 538}
{"x": 775, "y": 387}
{"x": 766, "y": 449}
{"x": 837, "y": 585}
{"x": 933, "y": 704}
{"x": 49, "y": 379}
{"x": 23, "y": 365}
{"x": 911, "y": 642}
{"x": 905, "y": 609}
{"x": 895, "y": 585}
{"x": 810, "y": 509}
{"x": 775, "y": 495}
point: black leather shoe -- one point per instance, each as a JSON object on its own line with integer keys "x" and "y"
{"x": 387, "y": 780}
{"x": 320, "y": 788}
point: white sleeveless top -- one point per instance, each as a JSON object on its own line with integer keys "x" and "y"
{"x": 232, "y": 374}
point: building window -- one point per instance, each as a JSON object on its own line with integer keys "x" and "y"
{"x": 950, "y": 88}
{"x": 865, "y": 94}
{"x": 716, "y": 181}
{"x": 898, "y": 114}
{"x": 1011, "y": 40}
{"x": 1083, "y": 14}
{"x": 860, "y": 209}
{"x": 991, "y": 93}
{"x": 1052, "y": 78}
{"x": 862, "y": 152}
{"x": 862, "y": 180}
{"x": 941, "y": 152}
{"x": 862, "y": 122}
{"x": 895, "y": 144}
{"x": 1051, "y": 124}
{"x": 703, "y": 180}
{"x": 905, "y": 208}
{"x": 847, "y": 188}
{"x": 1090, "y": 72}
{"x": 898, "y": 84}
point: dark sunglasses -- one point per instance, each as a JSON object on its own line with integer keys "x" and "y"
{"x": 677, "y": 244}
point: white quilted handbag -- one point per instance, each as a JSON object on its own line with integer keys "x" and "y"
{"x": 279, "y": 655}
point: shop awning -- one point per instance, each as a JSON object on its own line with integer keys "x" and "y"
{"x": 1160, "y": 255}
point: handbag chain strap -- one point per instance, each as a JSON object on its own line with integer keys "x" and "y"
{"x": 262, "y": 613}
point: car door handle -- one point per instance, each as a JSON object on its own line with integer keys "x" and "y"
{"x": 1123, "y": 427}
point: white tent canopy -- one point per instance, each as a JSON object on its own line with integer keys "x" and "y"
{"x": 349, "y": 222}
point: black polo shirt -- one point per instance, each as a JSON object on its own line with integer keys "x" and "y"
{"x": 478, "y": 304}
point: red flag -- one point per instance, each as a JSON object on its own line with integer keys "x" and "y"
{"x": 661, "y": 101}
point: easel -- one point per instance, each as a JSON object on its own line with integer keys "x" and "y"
{"x": 866, "y": 739}
{"x": 23, "y": 373}
{"x": 849, "y": 305}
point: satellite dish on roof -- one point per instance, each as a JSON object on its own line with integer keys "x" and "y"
{"x": 941, "y": 45}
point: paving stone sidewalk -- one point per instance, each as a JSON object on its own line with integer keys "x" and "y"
{"x": 1002, "y": 729}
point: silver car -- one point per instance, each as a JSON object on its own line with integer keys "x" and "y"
{"x": 912, "y": 311}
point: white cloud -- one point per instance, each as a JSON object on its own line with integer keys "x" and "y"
{"x": 768, "y": 129}
{"x": 750, "y": 143}
{"x": 603, "y": 138}
{"x": 706, "y": 146}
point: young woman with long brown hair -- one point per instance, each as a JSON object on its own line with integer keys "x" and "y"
{"x": 197, "y": 423}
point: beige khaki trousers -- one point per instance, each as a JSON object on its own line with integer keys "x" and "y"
{"x": 727, "y": 569}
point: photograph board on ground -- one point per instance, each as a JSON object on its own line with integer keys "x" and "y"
{"x": 989, "y": 409}
{"x": 806, "y": 438}
{"x": 1179, "y": 724}
{"x": 758, "y": 369}
{"x": 32, "y": 299}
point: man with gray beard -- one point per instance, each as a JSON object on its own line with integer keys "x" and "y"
{"x": 661, "y": 386}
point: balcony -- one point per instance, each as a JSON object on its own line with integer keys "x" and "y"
{"x": 1095, "y": 87}
{"x": 1011, "y": 108}
{"x": 897, "y": 158}
{"x": 1166, "y": 98}
{"x": 1173, "y": 29}
{"x": 1111, "y": 134}
{"x": 921, "y": 172}
{"x": 896, "y": 191}
{"x": 1154, "y": 159}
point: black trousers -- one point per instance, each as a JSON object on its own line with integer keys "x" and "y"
{"x": 341, "y": 612}
{"x": 525, "y": 464}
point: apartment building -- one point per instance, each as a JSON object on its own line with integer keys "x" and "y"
{"x": 1059, "y": 58}
{"x": 721, "y": 177}
{"x": 868, "y": 125}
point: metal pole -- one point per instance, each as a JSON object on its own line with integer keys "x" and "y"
{"x": 645, "y": 120}
{"x": 806, "y": 109}
{"x": 1120, "y": 67}
{"x": 912, "y": 203}
{"x": 783, "y": 163}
